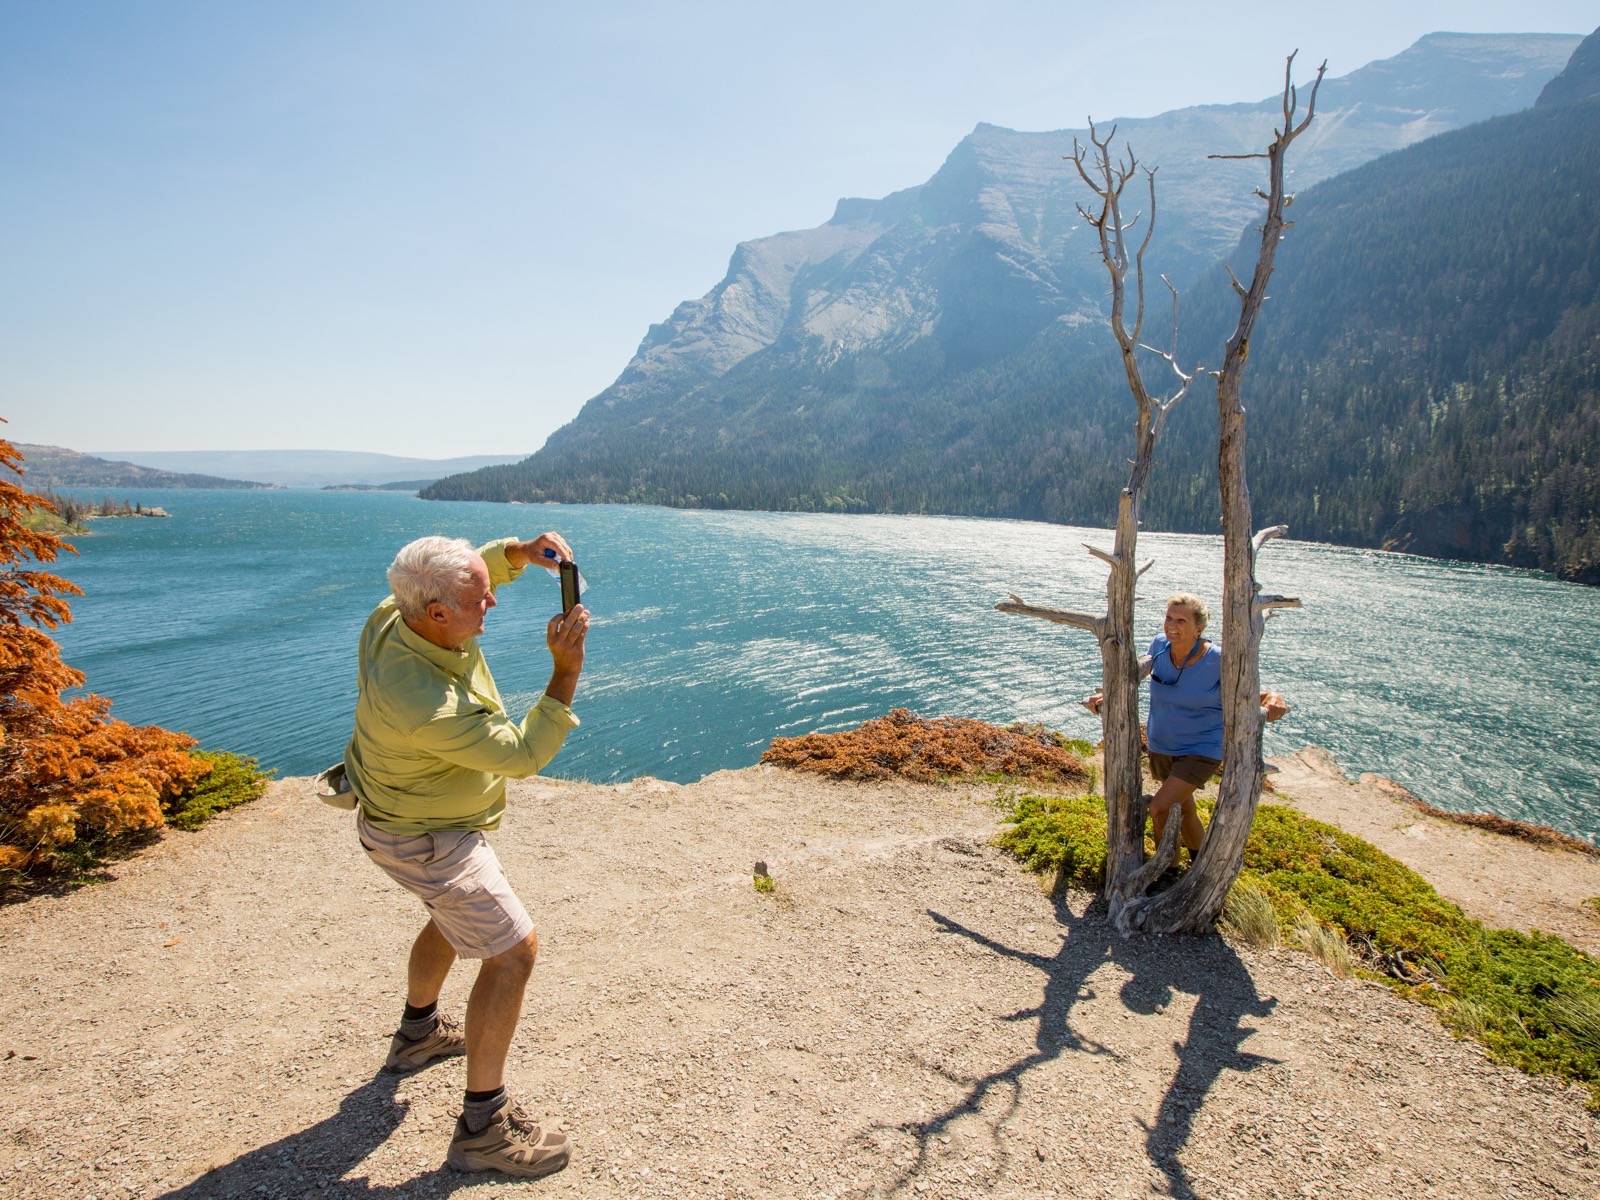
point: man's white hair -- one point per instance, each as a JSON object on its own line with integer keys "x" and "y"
{"x": 429, "y": 569}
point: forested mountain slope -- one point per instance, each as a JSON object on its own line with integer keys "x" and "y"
{"x": 997, "y": 397}
{"x": 1427, "y": 376}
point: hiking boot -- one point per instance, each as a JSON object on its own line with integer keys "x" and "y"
{"x": 446, "y": 1041}
{"x": 510, "y": 1143}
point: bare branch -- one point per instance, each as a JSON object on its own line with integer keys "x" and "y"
{"x": 1138, "y": 259}
{"x": 1144, "y": 568}
{"x": 1173, "y": 353}
{"x": 1265, "y": 603}
{"x": 1171, "y": 362}
{"x": 1311, "y": 101}
{"x": 1111, "y": 560}
{"x": 1240, "y": 157}
{"x": 1234, "y": 279}
{"x": 1166, "y": 851}
{"x": 1266, "y": 535}
{"x": 1059, "y": 616}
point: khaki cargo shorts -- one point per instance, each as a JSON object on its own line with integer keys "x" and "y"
{"x": 458, "y": 878}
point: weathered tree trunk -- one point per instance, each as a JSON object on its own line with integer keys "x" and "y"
{"x": 1194, "y": 903}
{"x": 1127, "y": 873}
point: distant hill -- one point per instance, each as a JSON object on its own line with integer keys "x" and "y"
{"x": 313, "y": 468}
{"x": 55, "y": 466}
{"x": 401, "y": 485}
{"x": 895, "y": 358}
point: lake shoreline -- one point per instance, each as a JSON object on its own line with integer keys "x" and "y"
{"x": 757, "y": 626}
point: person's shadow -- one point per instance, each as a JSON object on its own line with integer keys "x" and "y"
{"x": 1225, "y": 995}
{"x": 314, "y": 1161}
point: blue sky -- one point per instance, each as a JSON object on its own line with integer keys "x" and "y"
{"x": 437, "y": 229}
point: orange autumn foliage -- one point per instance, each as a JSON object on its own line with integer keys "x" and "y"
{"x": 912, "y": 747}
{"x": 69, "y": 772}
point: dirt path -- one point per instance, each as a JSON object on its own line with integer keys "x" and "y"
{"x": 909, "y": 1015}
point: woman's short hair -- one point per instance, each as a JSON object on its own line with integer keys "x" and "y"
{"x": 1202, "y": 614}
{"x": 429, "y": 569}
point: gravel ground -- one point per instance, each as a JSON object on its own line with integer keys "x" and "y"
{"x": 908, "y": 1015}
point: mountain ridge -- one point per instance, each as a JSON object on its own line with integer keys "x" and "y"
{"x": 999, "y": 397}
{"x": 57, "y": 466}
{"x": 1002, "y": 207}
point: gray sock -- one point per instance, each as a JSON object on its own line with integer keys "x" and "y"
{"x": 418, "y": 1023}
{"x": 477, "y": 1113}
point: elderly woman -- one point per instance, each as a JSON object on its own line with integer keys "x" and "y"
{"x": 1184, "y": 732}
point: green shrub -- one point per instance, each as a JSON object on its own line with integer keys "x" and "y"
{"x": 234, "y": 780}
{"x": 1061, "y": 834}
{"x": 1531, "y": 999}
{"x": 1522, "y": 995}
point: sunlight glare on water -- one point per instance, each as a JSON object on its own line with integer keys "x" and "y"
{"x": 237, "y": 619}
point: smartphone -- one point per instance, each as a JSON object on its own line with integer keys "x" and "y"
{"x": 569, "y": 586}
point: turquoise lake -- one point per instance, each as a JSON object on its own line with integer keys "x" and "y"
{"x": 236, "y": 620}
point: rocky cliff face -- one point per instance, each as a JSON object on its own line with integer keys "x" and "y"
{"x": 991, "y": 249}
{"x": 771, "y": 283}
{"x": 1581, "y": 79}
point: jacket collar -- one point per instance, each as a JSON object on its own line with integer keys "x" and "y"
{"x": 455, "y": 661}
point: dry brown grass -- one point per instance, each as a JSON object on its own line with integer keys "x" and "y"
{"x": 1248, "y": 915}
{"x": 911, "y": 747}
{"x": 1539, "y": 835}
{"x": 1326, "y": 944}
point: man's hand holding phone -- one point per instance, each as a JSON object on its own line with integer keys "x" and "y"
{"x": 565, "y": 635}
{"x": 543, "y": 551}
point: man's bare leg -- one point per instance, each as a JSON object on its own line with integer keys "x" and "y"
{"x": 493, "y": 1010}
{"x": 431, "y": 960}
{"x": 493, "y": 1132}
{"x": 424, "y": 1034}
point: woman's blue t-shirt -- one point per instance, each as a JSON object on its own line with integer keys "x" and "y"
{"x": 1186, "y": 705}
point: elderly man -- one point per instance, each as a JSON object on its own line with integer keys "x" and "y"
{"x": 428, "y": 762}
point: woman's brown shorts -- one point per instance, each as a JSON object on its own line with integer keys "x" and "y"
{"x": 1190, "y": 768}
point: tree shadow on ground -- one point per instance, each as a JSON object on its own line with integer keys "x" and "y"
{"x": 314, "y": 1161}
{"x": 1205, "y": 967}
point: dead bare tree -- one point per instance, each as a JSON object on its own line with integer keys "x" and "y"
{"x": 1108, "y": 176}
{"x": 1193, "y": 904}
